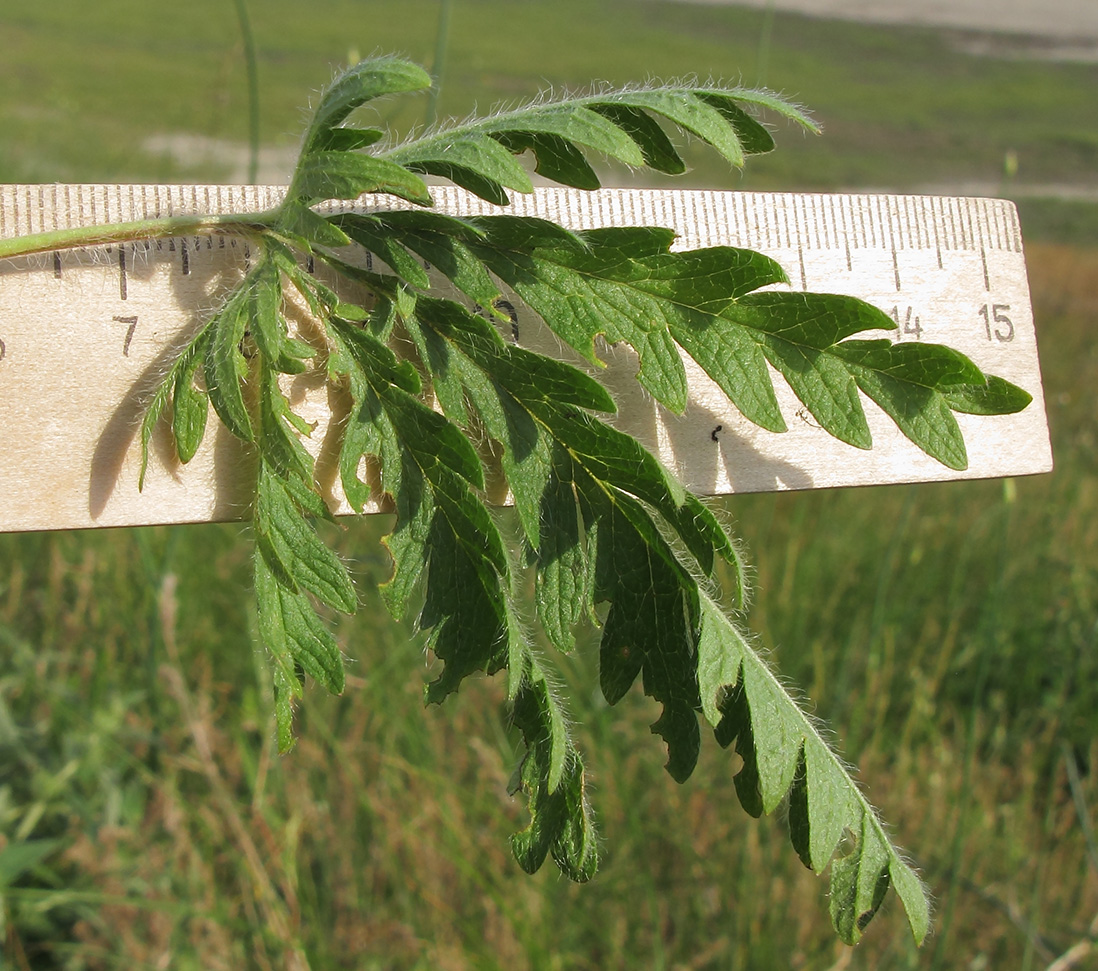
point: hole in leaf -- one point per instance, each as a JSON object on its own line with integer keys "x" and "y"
{"x": 848, "y": 843}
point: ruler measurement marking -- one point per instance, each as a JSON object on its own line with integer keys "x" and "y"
{"x": 936, "y": 212}
{"x": 912, "y": 227}
{"x": 1008, "y": 229}
{"x": 803, "y": 236}
{"x": 826, "y": 231}
{"x": 846, "y": 238}
{"x": 949, "y": 225}
{"x": 752, "y": 225}
{"x": 1016, "y": 230}
{"x": 887, "y": 224}
{"x": 972, "y": 228}
{"x": 714, "y": 224}
{"x": 982, "y": 227}
{"x": 995, "y": 228}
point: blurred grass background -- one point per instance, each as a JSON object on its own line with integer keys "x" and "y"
{"x": 947, "y": 633}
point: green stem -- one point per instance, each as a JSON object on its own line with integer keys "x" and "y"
{"x": 237, "y": 224}
{"x": 253, "y": 90}
{"x": 437, "y": 69}
{"x": 763, "y": 59}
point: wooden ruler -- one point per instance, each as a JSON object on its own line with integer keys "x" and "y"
{"x": 85, "y": 335}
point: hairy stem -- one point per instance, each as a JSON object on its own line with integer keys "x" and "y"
{"x": 238, "y": 224}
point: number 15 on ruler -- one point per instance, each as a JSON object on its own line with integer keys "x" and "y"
{"x": 997, "y": 324}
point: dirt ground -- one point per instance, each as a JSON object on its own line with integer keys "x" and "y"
{"x": 1073, "y": 21}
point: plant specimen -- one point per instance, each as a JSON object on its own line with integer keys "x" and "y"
{"x": 437, "y": 391}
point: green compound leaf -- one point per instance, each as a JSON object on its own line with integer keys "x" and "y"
{"x": 473, "y": 160}
{"x": 346, "y": 175}
{"x": 297, "y": 640}
{"x": 190, "y": 409}
{"x": 267, "y": 327}
{"x": 624, "y": 284}
{"x": 190, "y": 404}
{"x": 440, "y": 405}
{"x": 347, "y": 139}
{"x": 552, "y": 777}
{"x": 619, "y": 124}
{"x": 293, "y": 551}
{"x": 179, "y": 376}
{"x": 225, "y": 366}
{"x": 653, "y": 611}
{"x": 370, "y": 79}
{"x": 565, "y": 588}
{"x": 992, "y": 396}
{"x": 429, "y": 468}
{"x": 784, "y": 754}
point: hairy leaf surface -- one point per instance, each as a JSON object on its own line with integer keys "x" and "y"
{"x": 442, "y": 408}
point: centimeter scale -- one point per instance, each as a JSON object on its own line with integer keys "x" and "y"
{"x": 85, "y": 335}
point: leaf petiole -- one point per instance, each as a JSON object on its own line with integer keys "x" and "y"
{"x": 236, "y": 224}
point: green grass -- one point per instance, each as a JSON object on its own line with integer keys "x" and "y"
{"x": 900, "y": 106}
{"x": 85, "y": 86}
{"x": 947, "y": 633}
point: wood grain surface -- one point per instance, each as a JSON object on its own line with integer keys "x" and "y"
{"x": 85, "y": 334}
